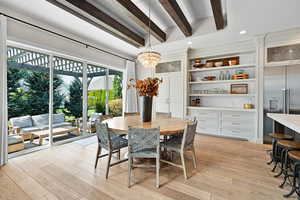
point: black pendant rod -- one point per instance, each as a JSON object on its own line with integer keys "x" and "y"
{"x": 66, "y": 37}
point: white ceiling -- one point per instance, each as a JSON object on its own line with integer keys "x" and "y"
{"x": 255, "y": 16}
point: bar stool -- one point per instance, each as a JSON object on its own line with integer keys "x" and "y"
{"x": 285, "y": 146}
{"x": 274, "y": 154}
{"x": 294, "y": 158}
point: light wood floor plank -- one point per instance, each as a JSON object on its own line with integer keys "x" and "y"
{"x": 227, "y": 170}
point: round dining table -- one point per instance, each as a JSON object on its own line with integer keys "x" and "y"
{"x": 168, "y": 126}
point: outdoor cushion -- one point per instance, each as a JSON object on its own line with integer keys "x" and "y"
{"x": 30, "y": 129}
{"x": 94, "y": 117}
{"x": 62, "y": 124}
{"x": 14, "y": 139}
{"x": 58, "y": 118}
{"x": 43, "y": 127}
{"x": 39, "y": 120}
{"x": 21, "y": 122}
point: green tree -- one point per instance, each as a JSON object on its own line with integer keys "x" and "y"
{"x": 37, "y": 93}
{"x": 117, "y": 87}
{"x": 74, "y": 104}
{"x": 16, "y": 104}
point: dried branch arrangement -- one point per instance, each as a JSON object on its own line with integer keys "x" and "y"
{"x": 146, "y": 87}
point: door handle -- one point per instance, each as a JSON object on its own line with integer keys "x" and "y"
{"x": 284, "y": 101}
{"x": 288, "y": 100}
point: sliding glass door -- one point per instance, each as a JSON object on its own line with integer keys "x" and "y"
{"x": 28, "y": 81}
{"x": 54, "y": 95}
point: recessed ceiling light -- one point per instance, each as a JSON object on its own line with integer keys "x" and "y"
{"x": 242, "y": 32}
{"x": 190, "y": 42}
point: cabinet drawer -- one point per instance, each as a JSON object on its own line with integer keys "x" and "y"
{"x": 238, "y": 133}
{"x": 236, "y": 116}
{"x": 238, "y": 124}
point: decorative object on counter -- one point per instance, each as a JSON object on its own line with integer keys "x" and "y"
{"x": 209, "y": 78}
{"x": 195, "y": 102}
{"x": 218, "y": 64}
{"x": 232, "y": 62}
{"x": 248, "y": 106}
{"x": 240, "y": 76}
{"x": 146, "y": 88}
{"x": 239, "y": 89}
{"x": 225, "y": 61}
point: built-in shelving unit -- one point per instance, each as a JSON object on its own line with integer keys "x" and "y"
{"x": 220, "y": 112}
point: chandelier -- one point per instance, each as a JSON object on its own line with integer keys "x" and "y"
{"x": 149, "y": 58}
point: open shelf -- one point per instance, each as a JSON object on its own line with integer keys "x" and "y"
{"x": 222, "y": 95}
{"x": 223, "y": 81}
{"x": 222, "y": 108}
{"x": 222, "y": 68}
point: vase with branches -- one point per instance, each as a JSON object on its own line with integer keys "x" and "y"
{"x": 146, "y": 89}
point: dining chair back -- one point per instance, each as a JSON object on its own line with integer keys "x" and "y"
{"x": 103, "y": 135}
{"x": 111, "y": 142}
{"x": 189, "y": 135}
{"x": 143, "y": 143}
{"x": 182, "y": 145}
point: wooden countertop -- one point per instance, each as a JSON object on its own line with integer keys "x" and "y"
{"x": 168, "y": 126}
{"x": 288, "y": 120}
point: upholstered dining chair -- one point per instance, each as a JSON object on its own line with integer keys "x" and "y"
{"x": 111, "y": 142}
{"x": 131, "y": 113}
{"x": 143, "y": 143}
{"x": 182, "y": 145}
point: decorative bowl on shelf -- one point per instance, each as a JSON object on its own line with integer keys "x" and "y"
{"x": 209, "y": 64}
{"x": 248, "y": 106}
{"x": 232, "y": 62}
{"x": 218, "y": 64}
{"x": 209, "y": 78}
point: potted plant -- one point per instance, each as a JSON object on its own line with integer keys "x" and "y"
{"x": 146, "y": 89}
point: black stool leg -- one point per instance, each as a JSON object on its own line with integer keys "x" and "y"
{"x": 275, "y": 166}
{"x": 285, "y": 168}
{"x": 281, "y": 160}
{"x": 293, "y": 185}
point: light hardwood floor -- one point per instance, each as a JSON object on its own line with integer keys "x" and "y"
{"x": 227, "y": 170}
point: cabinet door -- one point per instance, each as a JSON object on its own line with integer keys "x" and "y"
{"x": 162, "y": 100}
{"x": 176, "y": 94}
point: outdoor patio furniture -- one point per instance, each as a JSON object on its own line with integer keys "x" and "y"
{"x": 91, "y": 124}
{"x": 56, "y": 131}
{"x": 15, "y": 143}
{"x": 25, "y": 125}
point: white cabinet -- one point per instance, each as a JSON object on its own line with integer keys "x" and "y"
{"x": 238, "y": 124}
{"x": 170, "y": 97}
{"x": 208, "y": 121}
{"x": 225, "y": 123}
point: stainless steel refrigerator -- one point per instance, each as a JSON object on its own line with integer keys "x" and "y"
{"x": 281, "y": 94}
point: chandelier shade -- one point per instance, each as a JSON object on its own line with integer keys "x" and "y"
{"x": 149, "y": 59}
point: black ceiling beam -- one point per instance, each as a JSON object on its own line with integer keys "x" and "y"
{"x": 175, "y": 12}
{"x": 142, "y": 19}
{"x": 104, "y": 21}
{"x": 216, "y": 6}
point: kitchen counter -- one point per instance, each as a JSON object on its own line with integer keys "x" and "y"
{"x": 287, "y": 120}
